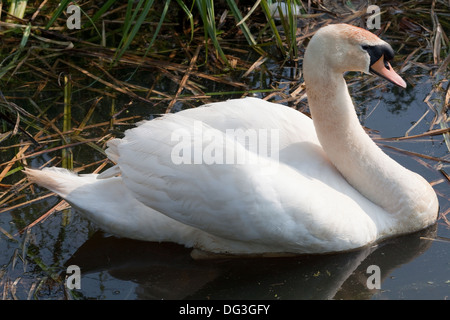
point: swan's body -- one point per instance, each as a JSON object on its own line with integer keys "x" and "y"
{"x": 329, "y": 189}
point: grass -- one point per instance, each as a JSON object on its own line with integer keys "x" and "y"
{"x": 69, "y": 90}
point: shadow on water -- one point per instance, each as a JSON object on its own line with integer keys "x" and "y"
{"x": 142, "y": 270}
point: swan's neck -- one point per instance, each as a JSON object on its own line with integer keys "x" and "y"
{"x": 363, "y": 164}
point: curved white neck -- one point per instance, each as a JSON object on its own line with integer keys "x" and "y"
{"x": 363, "y": 164}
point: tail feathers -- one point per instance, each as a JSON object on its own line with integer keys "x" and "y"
{"x": 113, "y": 154}
{"x": 58, "y": 180}
{"x": 112, "y": 151}
{"x": 108, "y": 204}
{"x": 111, "y": 172}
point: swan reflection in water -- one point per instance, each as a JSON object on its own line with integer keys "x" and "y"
{"x": 166, "y": 271}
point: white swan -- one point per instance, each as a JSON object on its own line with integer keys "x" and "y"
{"x": 333, "y": 189}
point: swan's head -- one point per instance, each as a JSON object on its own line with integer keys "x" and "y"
{"x": 343, "y": 47}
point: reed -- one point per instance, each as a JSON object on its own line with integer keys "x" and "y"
{"x": 66, "y": 153}
{"x": 16, "y": 10}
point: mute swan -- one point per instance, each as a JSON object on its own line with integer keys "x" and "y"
{"x": 331, "y": 188}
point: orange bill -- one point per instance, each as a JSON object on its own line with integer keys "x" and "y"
{"x": 383, "y": 69}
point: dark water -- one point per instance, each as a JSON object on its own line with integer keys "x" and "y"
{"x": 417, "y": 266}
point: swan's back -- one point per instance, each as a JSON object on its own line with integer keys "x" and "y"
{"x": 256, "y": 114}
{"x": 303, "y": 206}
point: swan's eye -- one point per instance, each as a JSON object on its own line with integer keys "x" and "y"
{"x": 364, "y": 47}
{"x": 386, "y": 64}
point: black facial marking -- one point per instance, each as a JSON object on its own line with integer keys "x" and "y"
{"x": 375, "y": 53}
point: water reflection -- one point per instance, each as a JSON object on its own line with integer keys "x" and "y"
{"x": 166, "y": 271}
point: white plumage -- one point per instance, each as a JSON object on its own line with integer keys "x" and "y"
{"x": 297, "y": 202}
